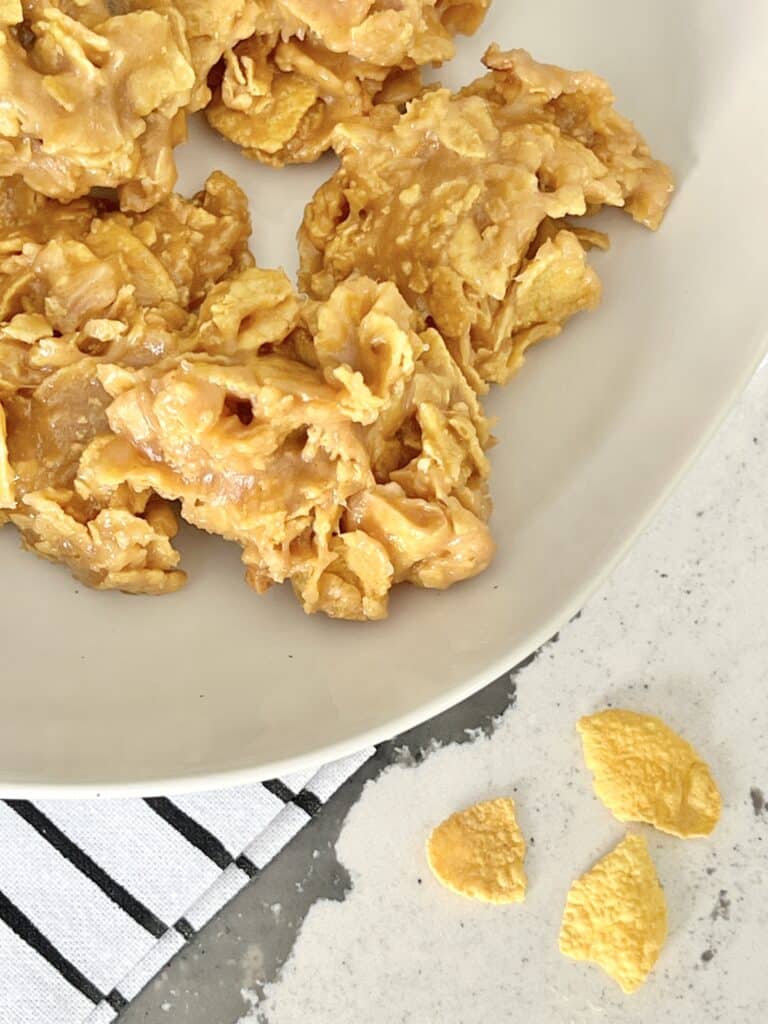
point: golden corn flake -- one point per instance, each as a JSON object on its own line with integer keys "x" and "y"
{"x": 643, "y": 771}
{"x": 616, "y": 915}
{"x": 7, "y": 499}
{"x": 479, "y": 853}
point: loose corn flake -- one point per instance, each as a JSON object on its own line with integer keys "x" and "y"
{"x": 616, "y": 915}
{"x": 643, "y": 771}
{"x": 7, "y": 495}
{"x": 479, "y": 853}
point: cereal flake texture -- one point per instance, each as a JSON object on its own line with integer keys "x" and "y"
{"x": 479, "y": 852}
{"x": 643, "y": 771}
{"x": 94, "y": 94}
{"x": 616, "y": 915}
{"x": 84, "y": 290}
{"x": 465, "y": 200}
{"x": 307, "y": 67}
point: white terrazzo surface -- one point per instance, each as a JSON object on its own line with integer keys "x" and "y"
{"x": 680, "y": 630}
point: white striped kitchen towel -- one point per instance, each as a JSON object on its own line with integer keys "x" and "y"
{"x": 97, "y": 895}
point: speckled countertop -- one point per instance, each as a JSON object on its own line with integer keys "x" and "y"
{"x": 348, "y": 926}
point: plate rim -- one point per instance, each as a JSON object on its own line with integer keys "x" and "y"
{"x": 323, "y": 754}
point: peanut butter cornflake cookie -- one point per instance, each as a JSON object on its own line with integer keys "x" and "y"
{"x": 479, "y": 853}
{"x": 466, "y": 202}
{"x": 95, "y": 93}
{"x": 643, "y": 771}
{"x": 85, "y": 289}
{"x": 343, "y": 451}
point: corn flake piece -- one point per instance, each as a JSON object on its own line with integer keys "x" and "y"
{"x": 7, "y": 490}
{"x": 616, "y": 915}
{"x": 479, "y": 852}
{"x": 643, "y": 771}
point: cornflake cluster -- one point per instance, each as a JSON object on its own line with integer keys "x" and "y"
{"x": 463, "y": 202}
{"x": 148, "y": 367}
{"x": 144, "y": 359}
{"x": 339, "y": 447}
{"x": 310, "y": 66}
{"x": 95, "y": 93}
{"x": 83, "y": 289}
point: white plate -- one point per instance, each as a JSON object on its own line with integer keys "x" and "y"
{"x": 215, "y": 684}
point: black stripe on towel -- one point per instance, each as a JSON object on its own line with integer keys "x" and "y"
{"x": 198, "y": 835}
{"x": 128, "y": 903}
{"x": 19, "y": 923}
{"x": 185, "y": 929}
{"x": 308, "y": 802}
{"x": 195, "y": 833}
{"x": 247, "y": 866}
{"x": 116, "y": 1000}
{"x": 279, "y": 789}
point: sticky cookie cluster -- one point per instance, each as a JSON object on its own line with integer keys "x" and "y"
{"x": 148, "y": 369}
